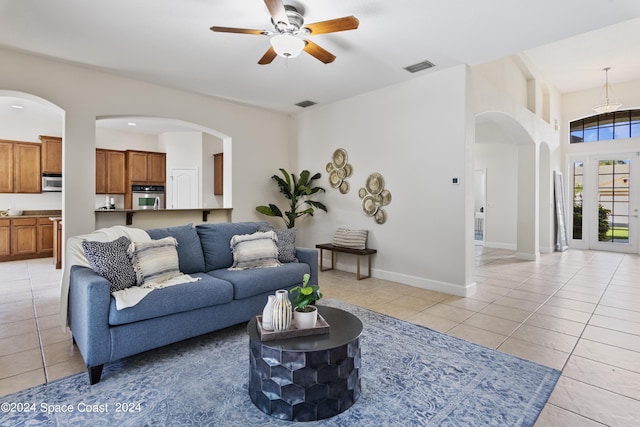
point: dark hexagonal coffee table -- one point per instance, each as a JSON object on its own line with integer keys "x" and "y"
{"x": 307, "y": 378}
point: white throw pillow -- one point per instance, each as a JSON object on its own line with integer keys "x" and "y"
{"x": 155, "y": 261}
{"x": 257, "y": 250}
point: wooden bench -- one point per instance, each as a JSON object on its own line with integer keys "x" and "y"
{"x": 358, "y": 252}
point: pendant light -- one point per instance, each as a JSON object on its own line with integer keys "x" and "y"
{"x": 610, "y": 103}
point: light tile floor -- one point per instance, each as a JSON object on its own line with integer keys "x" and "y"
{"x": 577, "y": 311}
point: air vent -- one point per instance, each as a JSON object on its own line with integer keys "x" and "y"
{"x": 305, "y": 104}
{"x": 419, "y": 66}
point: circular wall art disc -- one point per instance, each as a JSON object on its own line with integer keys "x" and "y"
{"x": 380, "y": 216}
{"x": 334, "y": 179}
{"x": 369, "y": 205}
{"x": 344, "y": 187}
{"x": 339, "y": 158}
{"x": 348, "y": 170}
{"x": 386, "y": 197}
{"x": 329, "y": 167}
{"x": 375, "y": 183}
{"x": 362, "y": 192}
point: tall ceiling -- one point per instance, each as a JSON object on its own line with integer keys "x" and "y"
{"x": 168, "y": 42}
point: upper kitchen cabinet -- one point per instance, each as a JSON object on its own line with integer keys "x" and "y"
{"x": 6, "y": 167}
{"x": 51, "y": 154}
{"x": 27, "y": 173}
{"x": 110, "y": 172}
{"x": 145, "y": 167}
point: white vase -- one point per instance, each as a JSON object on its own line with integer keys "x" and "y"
{"x": 282, "y": 311}
{"x": 267, "y": 314}
{"x": 306, "y": 319}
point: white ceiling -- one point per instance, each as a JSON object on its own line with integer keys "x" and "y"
{"x": 168, "y": 42}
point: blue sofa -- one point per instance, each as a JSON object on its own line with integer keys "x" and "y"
{"x": 220, "y": 298}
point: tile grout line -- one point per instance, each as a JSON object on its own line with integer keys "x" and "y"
{"x": 35, "y": 315}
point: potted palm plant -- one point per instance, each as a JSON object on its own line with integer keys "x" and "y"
{"x": 298, "y": 191}
{"x": 305, "y": 313}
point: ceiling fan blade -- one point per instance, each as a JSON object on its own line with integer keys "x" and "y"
{"x": 333, "y": 25}
{"x": 277, "y": 11}
{"x": 238, "y": 30}
{"x": 319, "y": 53}
{"x": 268, "y": 57}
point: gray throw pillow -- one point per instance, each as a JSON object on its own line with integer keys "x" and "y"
{"x": 110, "y": 260}
{"x": 286, "y": 243}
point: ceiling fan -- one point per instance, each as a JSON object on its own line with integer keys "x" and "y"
{"x": 289, "y": 27}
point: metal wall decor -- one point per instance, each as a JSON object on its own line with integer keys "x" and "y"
{"x": 374, "y": 196}
{"x": 339, "y": 170}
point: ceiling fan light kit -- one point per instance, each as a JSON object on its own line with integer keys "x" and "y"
{"x": 287, "y": 46}
{"x": 288, "y": 24}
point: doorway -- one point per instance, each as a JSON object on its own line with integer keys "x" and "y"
{"x": 605, "y": 205}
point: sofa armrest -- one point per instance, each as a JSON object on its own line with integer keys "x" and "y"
{"x": 309, "y": 256}
{"x": 89, "y": 299}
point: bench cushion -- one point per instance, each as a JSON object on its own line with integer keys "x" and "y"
{"x": 205, "y": 292}
{"x": 247, "y": 283}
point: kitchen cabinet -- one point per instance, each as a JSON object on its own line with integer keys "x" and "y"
{"x": 110, "y": 172}
{"x": 6, "y": 167}
{"x": 146, "y": 167}
{"x": 45, "y": 236}
{"x": 5, "y": 237}
{"x": 51, "y": 156}
{"x": 218, "y": 174}
{"x": 24, "y": 234}
{"x": 27, "y": 174}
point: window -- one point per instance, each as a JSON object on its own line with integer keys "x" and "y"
{"x": 603, "y": 127}
{"x": 578, "y": 187}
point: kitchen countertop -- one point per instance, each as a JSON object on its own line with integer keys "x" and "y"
{"x": 131, "y": 212}
{"x": 36, "y": 214}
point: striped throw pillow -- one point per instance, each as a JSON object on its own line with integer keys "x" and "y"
{"x": 155, "y": 261}
{"x": 257, "y": 250}
{"x": 354, "y": 239}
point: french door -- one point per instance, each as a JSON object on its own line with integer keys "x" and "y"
{"x": 605, "y": 202}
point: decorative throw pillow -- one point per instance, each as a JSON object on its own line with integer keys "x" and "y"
{"x": 155, "y": 261}
{"x": 286, "y": 243}
{"x": 257, "y": 250}
{"x": 354, "y": 239}
{"x": 190, "y": 254}
{"x": 110, "y": 260}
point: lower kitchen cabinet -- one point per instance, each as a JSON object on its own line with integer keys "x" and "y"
{"x": 5, "y": 237}
{"x": 45, "y": 236}
{"x": 24, "y": 234}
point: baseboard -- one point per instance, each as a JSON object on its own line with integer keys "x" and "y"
{"x": 528, "y": 256}
{"x": 418, "y": 282}
{"x": 499, "y": 245}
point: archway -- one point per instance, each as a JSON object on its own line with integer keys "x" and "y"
{"x": 511, "y": 158}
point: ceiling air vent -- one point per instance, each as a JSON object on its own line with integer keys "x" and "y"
{"x": 305, "y": 104}
{"x": 419, "y": 66}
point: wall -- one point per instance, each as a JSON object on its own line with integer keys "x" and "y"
{"x": 414, "y": 135}
{"x": 84, "y": 94}
{"x": 500, "y": 161}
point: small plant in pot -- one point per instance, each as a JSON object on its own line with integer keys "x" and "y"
{"x": 305, "y": 313}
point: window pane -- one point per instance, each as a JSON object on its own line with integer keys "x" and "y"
{"x": 591, "y": 129}
{"x": 605, "y": 133}
{"x": 621, "y": 125}
{"x": 578, "y": 168}
{"x": 577, "y": 133}
{"x": 635, "y": 124}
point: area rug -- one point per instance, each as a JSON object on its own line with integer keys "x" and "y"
{"x": 410, "y": 375}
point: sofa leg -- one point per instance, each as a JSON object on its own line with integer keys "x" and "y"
{"x": 94, "y": 374}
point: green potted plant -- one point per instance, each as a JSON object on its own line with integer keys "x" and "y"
{"x": 305, "y": 313}
{"x": 297, "y": 190}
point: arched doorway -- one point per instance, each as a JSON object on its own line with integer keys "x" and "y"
{"x": 511, "y": 159}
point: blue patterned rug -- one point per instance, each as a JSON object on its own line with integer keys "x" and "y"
{"x": 411, "y": 376}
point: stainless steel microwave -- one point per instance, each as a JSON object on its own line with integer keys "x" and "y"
{"x": 51, "y": 182}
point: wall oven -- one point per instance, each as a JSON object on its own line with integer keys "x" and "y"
{"x": 147, "y": 197}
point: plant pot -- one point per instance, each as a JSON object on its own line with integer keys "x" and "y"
{"x": 305, "y": 319}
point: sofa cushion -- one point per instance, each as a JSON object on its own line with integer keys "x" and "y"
{"x": 247, "y": 283}
{"x": 110, "y": 260}
{"x": 190, "y": 253}
{"x": 207, "y": 291}
{"x": 216, "y": 240}
{"x": 286, "y": 243}
{"x": 257, "y": 250}
{"x": 154, "y": 261}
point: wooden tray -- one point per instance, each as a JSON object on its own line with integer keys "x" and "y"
{"x": 322, "y": 327}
